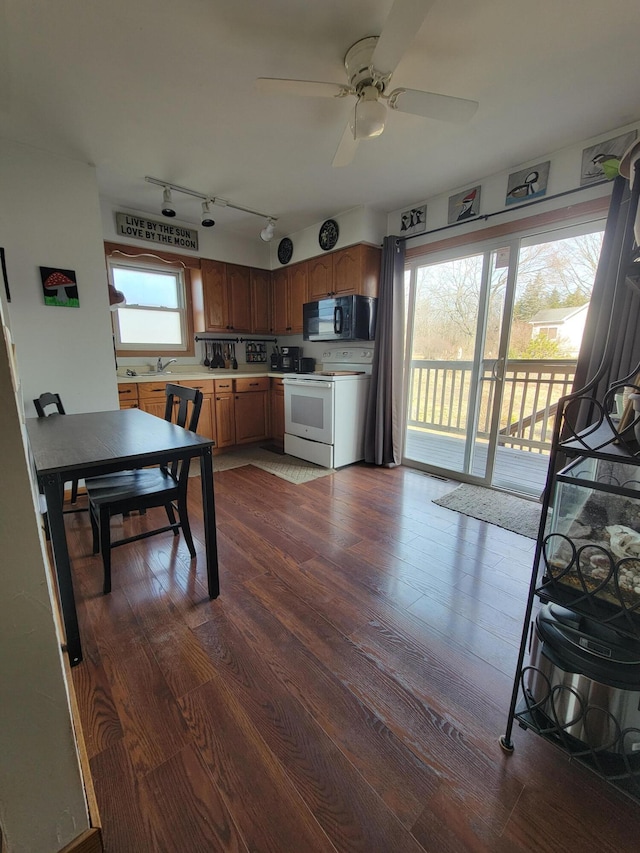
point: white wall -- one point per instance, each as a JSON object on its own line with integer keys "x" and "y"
{"x": 564, "y": 175}
{"x": 359, "y": 225}
{"x": 42, "y": 804}
{"x": 50, "y": 216}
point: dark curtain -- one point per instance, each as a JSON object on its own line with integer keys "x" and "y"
{"x": 610, "y": 348}
{"x": 383, "y": 426}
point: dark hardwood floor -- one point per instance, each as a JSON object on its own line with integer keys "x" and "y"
{"x": 346, "y": 692}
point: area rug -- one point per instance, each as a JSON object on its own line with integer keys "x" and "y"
{"x": 504, "y": 510}
{"x": 286, "y": 467}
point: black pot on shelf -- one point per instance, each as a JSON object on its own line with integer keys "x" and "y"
{"x": 585, "y": 679}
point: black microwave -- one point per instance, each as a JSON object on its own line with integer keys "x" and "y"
{"x": 343, "y": 318}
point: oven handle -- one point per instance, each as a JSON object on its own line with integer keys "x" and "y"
{"x": 310, "y": 383}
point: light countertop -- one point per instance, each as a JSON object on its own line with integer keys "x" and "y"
{"x": 194, "y": 373}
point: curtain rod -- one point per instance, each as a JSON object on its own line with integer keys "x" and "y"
{"x": 486, "y": 216}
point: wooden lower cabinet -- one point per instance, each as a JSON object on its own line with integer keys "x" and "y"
{"x": 224, "y": 413}
{"x": 152, "y": 398}
{"x": 234, "y": 411}
{"x": 128, "y": 395}
{"x": 251, "y": 403}
{"x": 207, "y": 420}
{"x": 277, "y": 412}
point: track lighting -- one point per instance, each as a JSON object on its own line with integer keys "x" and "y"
{"x": 268, "y": 231}
{"x": 207, "y": 220}
{"x": 167, "y": 204}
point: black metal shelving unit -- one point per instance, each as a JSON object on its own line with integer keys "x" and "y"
{"x": 598, "y": 463}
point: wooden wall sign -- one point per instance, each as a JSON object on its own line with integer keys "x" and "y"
{"x": 156, "y": 231}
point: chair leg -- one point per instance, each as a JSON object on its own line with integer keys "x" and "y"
{"x": 172, "y": 517}
{"x": 105, "y": 548}
{"x": 186, "y": 529}
{"x": 94, "y": 529}
{"x": 74, "y": 491}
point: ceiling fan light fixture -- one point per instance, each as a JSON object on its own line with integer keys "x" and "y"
{"x": 207, "y": 220}
{"x": 268, "y": 231}
{"x": 167, "y": 204}
{"x": 370, "y": 115}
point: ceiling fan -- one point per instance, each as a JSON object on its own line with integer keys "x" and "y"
{"x": 369, "y": 84}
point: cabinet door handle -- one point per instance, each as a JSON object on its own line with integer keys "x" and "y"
{"x": 128, "y": 391}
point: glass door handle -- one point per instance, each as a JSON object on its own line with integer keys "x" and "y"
{"x": 497, "y": 371}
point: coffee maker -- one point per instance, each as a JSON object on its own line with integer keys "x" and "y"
{"x": 286, "y": 359}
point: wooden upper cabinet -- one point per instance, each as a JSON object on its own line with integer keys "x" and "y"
{"x": 320, "y": 277}
{"x": 227, "y": 296}
{"x": 261, "y": 320}
{"x": 214, "y": 287}
{"x": 280, "y": 295}
{"x": 298, "y": 295}
{"x": 356, "y": 269}
{"x": 239, "y": 298}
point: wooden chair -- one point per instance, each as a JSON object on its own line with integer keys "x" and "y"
{"x": 142, "y": 489}
{"x": 42, "y": 403}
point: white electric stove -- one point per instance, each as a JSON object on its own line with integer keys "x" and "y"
{"x": 325, "y": 411}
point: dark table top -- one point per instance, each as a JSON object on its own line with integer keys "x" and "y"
{"x": 62, "y": 443}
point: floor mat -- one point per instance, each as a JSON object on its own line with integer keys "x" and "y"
{"x": 509, "y": 511}
{"x": 286, "y": 467}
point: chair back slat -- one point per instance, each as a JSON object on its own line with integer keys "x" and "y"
{"x": 180, "y": 415}
{"x": 48, "y": 399}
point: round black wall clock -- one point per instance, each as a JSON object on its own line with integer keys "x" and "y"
{"x": 328, "y": 235}
{"x": 285, "y": 250}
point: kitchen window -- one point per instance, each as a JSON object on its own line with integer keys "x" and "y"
{"x": 156, "y": 316}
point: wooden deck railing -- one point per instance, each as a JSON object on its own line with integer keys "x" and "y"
{"x": 439, "y": 398}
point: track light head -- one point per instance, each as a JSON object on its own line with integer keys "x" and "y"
{"x": 268, "y": 231}
{"x": 207, "y": 220}
{"x": 167, "y": 205}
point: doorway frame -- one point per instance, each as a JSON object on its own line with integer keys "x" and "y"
{"x": 477, "y": 242}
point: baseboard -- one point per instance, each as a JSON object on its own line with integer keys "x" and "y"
{"x": 89, "y": 842}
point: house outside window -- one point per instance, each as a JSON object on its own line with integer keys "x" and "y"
{"x": 562, "y": 324}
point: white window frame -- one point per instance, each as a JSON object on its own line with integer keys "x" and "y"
{"x": 164, "y": 268}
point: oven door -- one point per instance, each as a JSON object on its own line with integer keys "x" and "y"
{"x": 308, "y": 408}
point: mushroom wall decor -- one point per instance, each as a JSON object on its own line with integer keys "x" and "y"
{"x": 59, "y": 287}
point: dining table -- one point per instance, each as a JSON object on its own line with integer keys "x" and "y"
{"x": 65, "y": 447}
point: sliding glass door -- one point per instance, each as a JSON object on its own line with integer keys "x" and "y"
{"x": 492, "y": 341}
{"x": 455, "y": 359}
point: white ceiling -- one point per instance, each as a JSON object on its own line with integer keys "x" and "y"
{"x": 152, "y": 87}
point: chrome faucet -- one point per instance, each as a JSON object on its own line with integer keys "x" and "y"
{"x": 160, "y": 367}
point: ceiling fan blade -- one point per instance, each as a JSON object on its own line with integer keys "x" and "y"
{"x": 347, "y": 147}
{"x": 308, "y": 88}
{"x": 402, "y": 24}
{"x": 431, "y": 105}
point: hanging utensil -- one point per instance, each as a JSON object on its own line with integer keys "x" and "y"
{"x": 235, "y": 360}
{"x": 206, "y": 361}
